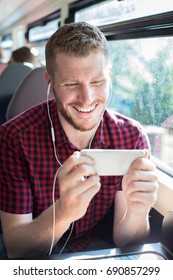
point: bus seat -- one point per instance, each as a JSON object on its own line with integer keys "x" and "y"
{"x": 31, "y": 91}
{"x": 9, "y": 81}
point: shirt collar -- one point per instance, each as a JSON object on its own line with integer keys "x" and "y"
{"x": 99, "y": 137}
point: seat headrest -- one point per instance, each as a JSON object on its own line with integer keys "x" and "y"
{"x": 31, "y": 92}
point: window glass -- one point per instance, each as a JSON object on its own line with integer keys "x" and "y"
{"x": 43, "y": 32}
{"x": 142, "y": 81}
{"x": 41, "y": 49}
{"x": 115, "y": 11}
{"x": 6, "y": 44}
{"x": 39, "y": 34}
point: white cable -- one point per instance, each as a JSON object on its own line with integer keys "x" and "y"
{"x": 53, "y": 211}
{"x": 51, "y": 125}
{"x": 72, "y": 226}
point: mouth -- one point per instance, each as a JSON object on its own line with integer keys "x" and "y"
{"x": 85, "y": 110}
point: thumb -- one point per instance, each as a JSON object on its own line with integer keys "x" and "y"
{"x": 147, "y": 153}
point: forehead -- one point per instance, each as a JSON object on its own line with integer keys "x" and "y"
{"x": 95, "y": 62}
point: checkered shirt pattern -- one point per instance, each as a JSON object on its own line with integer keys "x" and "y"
{"x": 28, "y": 165}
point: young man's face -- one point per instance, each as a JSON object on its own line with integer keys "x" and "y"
{"x": 82, "y": 88}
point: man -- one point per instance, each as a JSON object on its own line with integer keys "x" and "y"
{"x": 41, "y": 161}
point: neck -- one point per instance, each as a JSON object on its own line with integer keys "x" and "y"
{"x": 80, "y": 139}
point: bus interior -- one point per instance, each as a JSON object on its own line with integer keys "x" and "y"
{"x": 140, "y": 37}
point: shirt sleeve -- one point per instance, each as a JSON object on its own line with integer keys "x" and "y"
{"x": 15, "y": 191}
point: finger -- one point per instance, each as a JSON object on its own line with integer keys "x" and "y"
{"x": 147, "y": 198}
{"x": 142, "y": 187}
{"x": 142, "y": 164}
{"x": 81, "y": 195}
{"x": 89, "y": 183}
{"x": 141, "y": 175}
{"x": 73, "y": 161}
{"x": 92, "y": 191}
{"x": 147, "y": 153}
{"x": 80, "y": 173}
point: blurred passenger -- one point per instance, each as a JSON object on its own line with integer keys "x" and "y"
{"x": 3, "y": 63}
{"x": 26, "y": 55}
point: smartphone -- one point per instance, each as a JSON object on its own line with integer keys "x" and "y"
{"x": 113, "y": 162}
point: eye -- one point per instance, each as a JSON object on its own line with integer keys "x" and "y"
{"x": 71, "y": 84}
{"x": 97, "y": 82}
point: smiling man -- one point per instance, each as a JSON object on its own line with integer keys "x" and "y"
{"x": 51, "y": 197}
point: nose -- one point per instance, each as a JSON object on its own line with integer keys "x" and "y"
{"x": 87, "y": 94}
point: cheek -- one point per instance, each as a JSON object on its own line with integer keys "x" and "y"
{"x": 53, "y": 90}
{"x": 62, "y": 96}
{"x": 104, "y": 92}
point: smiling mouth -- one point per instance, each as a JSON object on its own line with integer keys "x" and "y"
{"x": 85, "y": 110}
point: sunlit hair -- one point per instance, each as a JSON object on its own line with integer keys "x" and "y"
{"x": 78, "y": 39}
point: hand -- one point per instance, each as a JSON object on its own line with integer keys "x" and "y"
{"x": 140, "y": 186}
{"x": 78, "y": 184}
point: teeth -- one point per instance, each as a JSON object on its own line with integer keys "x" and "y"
{"x": 85, "y": 110}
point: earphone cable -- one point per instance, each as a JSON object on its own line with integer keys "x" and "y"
{"x": 51, "y": 124}
{"x": 53, "y": 211}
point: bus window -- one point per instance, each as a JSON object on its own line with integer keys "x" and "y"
{"x": 43, "y": 32}
{"x": 113, "y": 11}
{"x": 143, "y": 88}
{"x": 6, "y": 45}
{"x": 38, "y": 32}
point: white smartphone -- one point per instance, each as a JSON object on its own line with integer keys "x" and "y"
{"x": 113, "y": 162}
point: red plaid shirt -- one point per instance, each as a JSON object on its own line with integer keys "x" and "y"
{"x": 28, "y": 165}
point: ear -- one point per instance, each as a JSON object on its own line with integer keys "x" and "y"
{"x": 47, "y": 77}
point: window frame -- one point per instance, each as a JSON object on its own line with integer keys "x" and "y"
{"x": 144, "y": 27}
{"x": 78, "y": 5}
{"x": 42, "y": 22}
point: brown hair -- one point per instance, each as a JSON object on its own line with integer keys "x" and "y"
{"x": 78, "y": 39}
